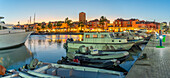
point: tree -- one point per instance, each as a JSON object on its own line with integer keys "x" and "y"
{"x": 50, "y": 25}
{"x": 39, "y": 24}
{"x": 43, "y": 27}
{"x": 102, "y": 20}
{"x": 81, "y": 25}
{"x": 29, "y": 27}
{"x": 69, "y": 23}
{"x": 66, "y": 19}
{"x": 38, "y": 28}
{"x": 54, "y": 24}
{"x": 165, "y": 28}
{"x": 59, "y": 24}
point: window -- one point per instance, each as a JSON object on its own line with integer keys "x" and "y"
{"x": 95, "y": 36}
{"x": 137, "y": 22}
{"x": 103, "y": 36}
{"x": 87, "y": 36}
{"x": 128, "y": 22}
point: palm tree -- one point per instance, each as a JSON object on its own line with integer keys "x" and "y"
{"x": 66, "y": 19}
{"x": 102, "y": 20}
{"x": 68, "y": 23}
{"x": 81, "y": 25}
{"x": 50, "y": 25}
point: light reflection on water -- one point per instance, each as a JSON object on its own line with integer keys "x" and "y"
{"x": 15, "y": 57}
{"x": 49, "y": 48}
{"x": 46, "y": 48}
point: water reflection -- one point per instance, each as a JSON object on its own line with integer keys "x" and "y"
{"x": 16, "y": 57}
{"x": 49, "y": 48}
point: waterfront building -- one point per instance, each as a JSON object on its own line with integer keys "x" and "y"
{"x": 94, "y": 23}
{"x": 82, "y": 17}
{"x": 135, "y": 24}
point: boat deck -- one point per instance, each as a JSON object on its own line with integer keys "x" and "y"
{"x": 157, "y": 63}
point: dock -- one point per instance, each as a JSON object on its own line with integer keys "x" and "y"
{"x": 157, "y": 63}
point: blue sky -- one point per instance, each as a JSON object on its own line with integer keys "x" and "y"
{"x": 51, "y": 10}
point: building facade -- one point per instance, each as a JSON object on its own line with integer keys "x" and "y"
{"x": 82, "y": 17}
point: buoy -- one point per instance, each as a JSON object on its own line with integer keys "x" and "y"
{"x": 76, "y": 60}
{"x": 2, "y": 70}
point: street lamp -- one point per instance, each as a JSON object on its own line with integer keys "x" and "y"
{"x": 160, "y": 38}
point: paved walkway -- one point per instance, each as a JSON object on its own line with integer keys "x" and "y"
{"x": 158, "y": 63}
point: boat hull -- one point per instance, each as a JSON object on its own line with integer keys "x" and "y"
{"x": 13, "y": 39}
{"x": 100, "y": 46}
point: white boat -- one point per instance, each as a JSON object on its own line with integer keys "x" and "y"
{"x": 10, "y": 37}
{"x": 100, "y": 41}
{"x": 51, "y": 70}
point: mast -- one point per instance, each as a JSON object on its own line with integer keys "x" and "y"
{"x": 30, "y": 19}
{"x": 0, "y": 23}
{"x": 34, "y": 17}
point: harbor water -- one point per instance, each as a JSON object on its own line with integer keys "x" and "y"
{"x": 46, "y": 48}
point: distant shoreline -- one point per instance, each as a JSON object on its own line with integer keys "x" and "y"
{"x": 66, "y": 33}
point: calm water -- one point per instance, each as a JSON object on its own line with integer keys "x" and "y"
{"x": 46, "y": 48}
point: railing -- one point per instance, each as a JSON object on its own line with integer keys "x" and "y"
{"x": 7, "y": 31}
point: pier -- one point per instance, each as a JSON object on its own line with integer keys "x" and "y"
{"x": 156, "y": 65}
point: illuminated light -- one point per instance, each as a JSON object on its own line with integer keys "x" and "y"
{"x": 161, "y": 37}
{"x": 53, "y": 40}
{"x": 53, "y": 30}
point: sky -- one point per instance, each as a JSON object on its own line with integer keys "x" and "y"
{"x": 55, "y": 10}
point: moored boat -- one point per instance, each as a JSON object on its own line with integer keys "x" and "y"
{"x": 100, "y": 41}
{"x": 10, "y": 37}
{"x": 63, "y": 71}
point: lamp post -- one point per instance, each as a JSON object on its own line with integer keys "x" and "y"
{"x": 160, "y": 38}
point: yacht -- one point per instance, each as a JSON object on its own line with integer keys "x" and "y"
{"x": 101, "y": 41}
{"x": 10, "y": 37}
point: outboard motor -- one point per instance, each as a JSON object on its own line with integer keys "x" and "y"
{"x": 66, "y": 44}
{"x": 71, "y": 39}
{"x": 68, "y": 40}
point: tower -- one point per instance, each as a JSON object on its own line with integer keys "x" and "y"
{"x": 82, "y": 17}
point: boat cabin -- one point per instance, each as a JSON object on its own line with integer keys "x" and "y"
{"x": 102, "y": 38}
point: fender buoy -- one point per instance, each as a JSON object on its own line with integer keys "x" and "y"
{"x": 76, "y": 60}
{"x": 2, "y": 70}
